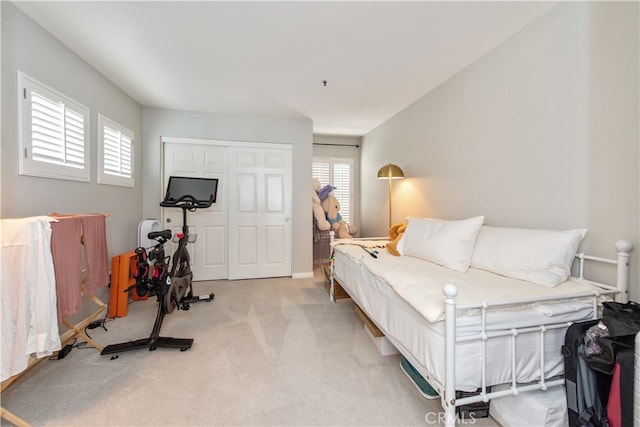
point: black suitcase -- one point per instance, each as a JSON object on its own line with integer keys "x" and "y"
{"x": 627, "y": 359}
{"x": 620, "y": 404}
{"x": 623, "y": 323}
{"x": 587, "y": 390}
{"x": 588, "y": 376}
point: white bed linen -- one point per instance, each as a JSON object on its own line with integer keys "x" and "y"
{"x": 422, "y": 342}
{"x": 29, "y": 320}
{"x": 531, "y": 409}
{"x": 420, "y": 284}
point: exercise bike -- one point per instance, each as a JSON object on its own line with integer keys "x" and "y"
{"x": 172, "y": 285}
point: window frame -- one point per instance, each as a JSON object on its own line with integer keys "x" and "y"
{"x": 104, "y": 177}
{"x": 29, "y": 166}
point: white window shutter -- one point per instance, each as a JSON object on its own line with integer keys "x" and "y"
{"x": 47, "y": 129}
{"x": 74, "y": 138}
{"x": 321, "y": 171}
{"x": 342, "y": 182}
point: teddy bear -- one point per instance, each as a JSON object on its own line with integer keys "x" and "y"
{"x": 318, "y": 212}
{"x": 395, "y": 234}
{"x": 325, "y": 191}
{"x": 331, "y": 207}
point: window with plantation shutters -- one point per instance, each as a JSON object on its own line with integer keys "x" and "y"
{"x": 337, "y": 172}
{"x": 54, "y": 133}
{"x": 116, "y": 153}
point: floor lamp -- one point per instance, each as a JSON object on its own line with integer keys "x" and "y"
{"x": 390, "y": 172}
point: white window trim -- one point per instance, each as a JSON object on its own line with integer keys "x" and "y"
{"x": 104, "y": 177}
{"x": 29, "y": 166}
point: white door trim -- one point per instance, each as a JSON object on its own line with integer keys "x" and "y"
{"x": 227, "y": 143}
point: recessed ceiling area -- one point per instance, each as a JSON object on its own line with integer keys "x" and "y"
{"x": 272, "y": 58}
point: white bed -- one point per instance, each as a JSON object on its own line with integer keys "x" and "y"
{"x": 474, "y": 329}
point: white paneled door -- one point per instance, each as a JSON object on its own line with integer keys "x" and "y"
{"x": 209, "y": 251}
{"x": 247, "y": 232}
{"x": 259, "y": 212}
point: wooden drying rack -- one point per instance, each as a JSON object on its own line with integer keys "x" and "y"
{"x": 73, "y": 331}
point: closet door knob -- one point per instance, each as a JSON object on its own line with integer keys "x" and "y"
{"x": 168, "y": 219}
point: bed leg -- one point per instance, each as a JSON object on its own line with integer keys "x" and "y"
{"x": 331, "y": 258}
{"x": 450, "y": 416}
{"x": 450, "y": 291}
{"x": 624, "y": 249}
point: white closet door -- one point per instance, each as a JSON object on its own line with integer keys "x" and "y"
{"x": 259, "y": 212}
{"x": 209, "y": 252}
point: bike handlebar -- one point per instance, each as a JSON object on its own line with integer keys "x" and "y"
{"x": 187, "y": 202}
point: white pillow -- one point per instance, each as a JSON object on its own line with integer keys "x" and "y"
{"x": 447, "y": 243}
{"x": 539, "y": 256}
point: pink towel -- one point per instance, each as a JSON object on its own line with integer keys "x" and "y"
{"x": 95, "y": 251}
{"x": 65, "y": 248}
{"x": 70, "y": 233}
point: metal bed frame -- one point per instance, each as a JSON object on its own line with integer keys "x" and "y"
{"x": 447, "y": 388}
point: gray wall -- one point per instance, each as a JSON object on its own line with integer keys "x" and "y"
{"x": 28, "y": 47}
{"x": 185, "y": 124}
{"x": 541, "y": 132}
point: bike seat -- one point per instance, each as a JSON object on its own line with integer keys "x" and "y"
{"x": 165, "y": 234}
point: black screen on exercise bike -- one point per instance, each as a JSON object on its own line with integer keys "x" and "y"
{"x": 202, "y": 189}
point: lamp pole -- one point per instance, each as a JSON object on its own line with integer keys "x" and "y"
{"x": 389, "y": 201}
{"x": 390, "y": 171}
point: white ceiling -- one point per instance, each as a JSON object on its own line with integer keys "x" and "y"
{"x": 270, "y": 58}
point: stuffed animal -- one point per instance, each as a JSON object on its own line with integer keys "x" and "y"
{"x": 395, "y": 234}
{"x": 331, "y": 207}
{"x": 318, "y": 212}
{"x": 325, "y": 191}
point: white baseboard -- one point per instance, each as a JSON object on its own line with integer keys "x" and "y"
{"x": 306, "y": 275}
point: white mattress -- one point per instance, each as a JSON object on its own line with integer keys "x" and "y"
{"x": 422, "y": 341}
{"x": 420, "y": 284}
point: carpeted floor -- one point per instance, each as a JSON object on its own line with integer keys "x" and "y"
{"x": 270, "y": 352}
